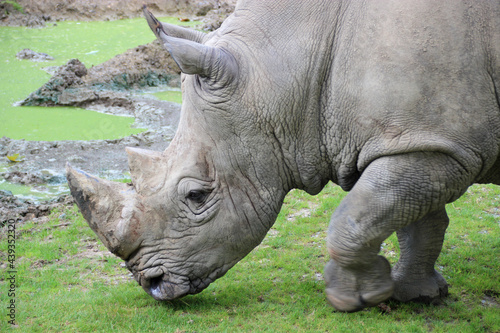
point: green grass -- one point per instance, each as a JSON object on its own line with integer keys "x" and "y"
{"x": 64, "y": 285}
{"x": 170, "y": 95}
{"x": 14, "y": 4}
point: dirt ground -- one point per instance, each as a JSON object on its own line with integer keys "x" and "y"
{"x": 145, "y": 65}
{"x": 36, "y": 12}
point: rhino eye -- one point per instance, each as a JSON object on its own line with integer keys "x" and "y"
{"x": 197, "y": 196}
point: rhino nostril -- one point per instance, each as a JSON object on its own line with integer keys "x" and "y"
{"x": 155, "y": 286}
{"x": 156, "y": 281}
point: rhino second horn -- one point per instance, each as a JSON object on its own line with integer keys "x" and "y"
{"x": 102, "y": 204}
{"x": 146, "y": 169}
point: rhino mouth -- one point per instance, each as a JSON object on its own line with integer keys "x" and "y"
{"x": 162, "y": 289}
{"x": 163, "y": 286}
{"x": 166, "y": 287}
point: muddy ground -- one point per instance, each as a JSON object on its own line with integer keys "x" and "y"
{"x": 40, "y": 12}
{"x": 109, "y": 87}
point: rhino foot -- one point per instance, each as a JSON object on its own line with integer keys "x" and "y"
{"x": 414, "y": 275}
{"x": 352, "y": 290}
{"x": 424, "y": 290}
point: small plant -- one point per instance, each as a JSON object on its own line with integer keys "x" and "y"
{"x": 14, "y": 4}
{"x": 15, "y": 158}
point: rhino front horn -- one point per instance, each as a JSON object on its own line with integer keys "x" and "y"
{"x": 108, "y": 207}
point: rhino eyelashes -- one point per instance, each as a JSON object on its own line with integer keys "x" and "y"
{"x": 204, "y": 210}
{"x": 197, "y": 196}
{"x": 200, "y": 197}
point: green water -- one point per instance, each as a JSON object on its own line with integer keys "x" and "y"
{"x": 36, "y": 194}
{"x": 171, "y": 94}
{"x": 90, "y": 42}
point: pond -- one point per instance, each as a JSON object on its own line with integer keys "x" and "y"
{"x": 92, "y": 43}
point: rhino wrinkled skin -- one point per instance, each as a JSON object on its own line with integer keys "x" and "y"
{"x": 395, "y": 101}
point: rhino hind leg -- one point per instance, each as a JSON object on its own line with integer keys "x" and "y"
{"x": 420, "y": 244}
{"x": 393, "y": 193}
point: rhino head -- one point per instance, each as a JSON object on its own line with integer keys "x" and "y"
{"x": 196, "y": 209}
{"x": 182, "y": 222}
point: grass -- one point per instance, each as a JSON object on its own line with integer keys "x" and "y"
{"x": 67, "y": 281}
{"x": 14, "y": 4}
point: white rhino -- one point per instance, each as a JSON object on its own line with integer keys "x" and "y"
{"x": 396, "y": 101}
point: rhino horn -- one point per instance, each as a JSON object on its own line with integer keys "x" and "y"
{"x": 145, "y": 169}
{"x": 108, "y": 208}
{"x": 193, "y": 57}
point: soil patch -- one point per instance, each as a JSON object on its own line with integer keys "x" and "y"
{"x": 38, "y": 13}
{"x": 13, "y": 208}
{"x": 73, "y": 84}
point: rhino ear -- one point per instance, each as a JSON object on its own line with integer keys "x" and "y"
{"x": 146, "y": 170}
{"x": 193, "y": 57}
{"x": 171, "y": 29}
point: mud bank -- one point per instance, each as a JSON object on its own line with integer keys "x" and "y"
{"x": 144, "y": 66}
{"x": 13, "y": 208}
{"x": 36, "y": 14}
{"x": 43, "y": 163}
{"x": 108, "y": 88}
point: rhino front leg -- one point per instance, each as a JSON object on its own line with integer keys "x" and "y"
{"x": 420, "y": 244}
{"x": 392, "y": 193}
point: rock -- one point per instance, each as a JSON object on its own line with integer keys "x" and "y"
{"x": 5, "y": 193}
{"x": 66, "y": 77}
{"x": 77, "y": 96}
{"x": 12, "y": 208}
{"x": 33, "y": 56}
{"x": 23, "y": 178}
{"x": 203, "y": 8}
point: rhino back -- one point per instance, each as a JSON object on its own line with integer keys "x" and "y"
{"x": 416, "y": 76}
{"x": 337, "y": 84}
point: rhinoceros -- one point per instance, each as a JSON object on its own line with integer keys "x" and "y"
{"x": 395, "y": 101}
